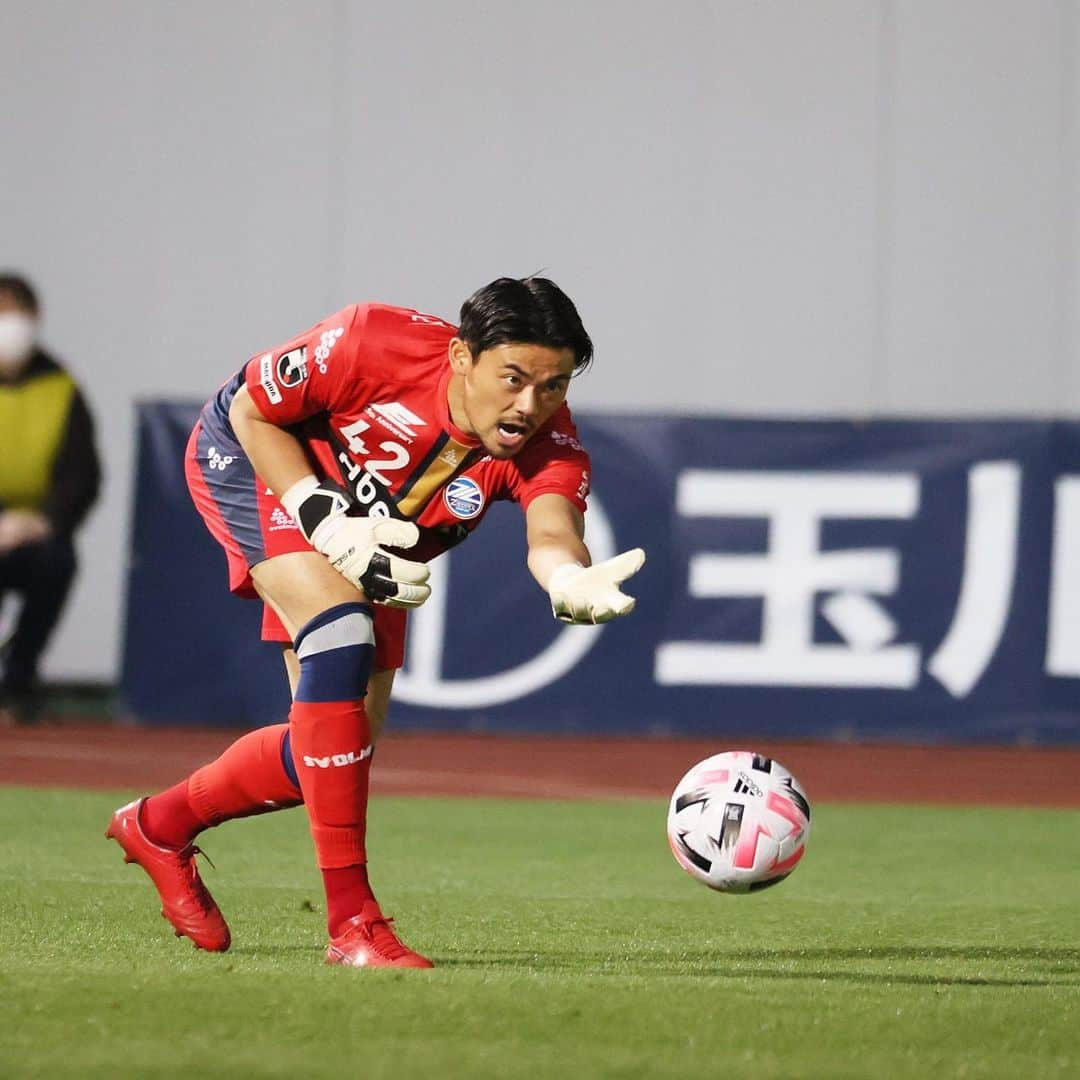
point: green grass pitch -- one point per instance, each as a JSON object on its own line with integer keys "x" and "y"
{"x": 911, "y": 942}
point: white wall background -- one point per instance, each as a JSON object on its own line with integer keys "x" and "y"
{"x": 848, "y": 207}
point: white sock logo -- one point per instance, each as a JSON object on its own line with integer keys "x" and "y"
{"x": 337, "y": 760}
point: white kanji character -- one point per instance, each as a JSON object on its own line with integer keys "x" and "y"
{"x": 989, "y": 572}
{"x": 789, "y": 575}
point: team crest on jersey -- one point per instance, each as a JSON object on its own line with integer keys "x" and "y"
{"x": 463, "y": 497}
{"x": 292, "y": 367}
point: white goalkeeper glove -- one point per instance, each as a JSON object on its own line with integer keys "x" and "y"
{"x": 355, "y": 545}
{"x": 591, "y": 594}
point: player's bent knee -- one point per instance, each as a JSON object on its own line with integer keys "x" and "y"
{"x": 336, "y": 650}
{"x": 300, "y": 586}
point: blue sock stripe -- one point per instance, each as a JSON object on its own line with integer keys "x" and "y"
{"x": 287, "y": 762}
{"x": 336, "y": 651}
{"x": 337, "y": 675}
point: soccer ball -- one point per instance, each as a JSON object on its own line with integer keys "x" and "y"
{"x": 738, "y": 822}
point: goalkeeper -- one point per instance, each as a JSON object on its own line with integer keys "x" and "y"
{"x": 331, "y": 470}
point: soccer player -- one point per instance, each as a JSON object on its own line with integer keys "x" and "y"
{"x": 331, "y": 470}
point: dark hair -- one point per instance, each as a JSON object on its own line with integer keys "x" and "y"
{"x": 527, "y": 311}
{"x": 21, "y": 291}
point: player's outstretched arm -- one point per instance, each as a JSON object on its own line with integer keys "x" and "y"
{"x": 355, "y": 546}
{"x": 559, "y": 560}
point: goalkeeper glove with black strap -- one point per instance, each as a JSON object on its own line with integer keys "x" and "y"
{"x": 356, "y": 546}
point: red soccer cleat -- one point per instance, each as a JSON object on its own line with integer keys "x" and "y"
{"x": 185, "y": 901}
{"x": 368, "y": 940}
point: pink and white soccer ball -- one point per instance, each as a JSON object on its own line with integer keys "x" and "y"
{"x": 738, "y": 822}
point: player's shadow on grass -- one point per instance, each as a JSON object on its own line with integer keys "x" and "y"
{"x": 800, "y": 964}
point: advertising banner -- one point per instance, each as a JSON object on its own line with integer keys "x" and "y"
{"x": 890, "y": 579}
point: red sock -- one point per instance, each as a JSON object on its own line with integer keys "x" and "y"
{"x": 347, "y": 889}
{"x": 168, "y": 820}
{"x": 331, "y": 747}
{"x": 248, "y": 778}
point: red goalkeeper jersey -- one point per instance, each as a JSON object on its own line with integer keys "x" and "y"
{"x": 365, "y": 393}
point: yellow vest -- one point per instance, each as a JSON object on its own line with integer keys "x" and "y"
{"x": 33, "y": 420}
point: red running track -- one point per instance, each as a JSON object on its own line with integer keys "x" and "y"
{"x": 144, "y": 760}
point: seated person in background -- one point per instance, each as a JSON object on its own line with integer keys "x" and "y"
{"x": 49, "y": 479}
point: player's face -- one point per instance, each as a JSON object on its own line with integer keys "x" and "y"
{"x": 503, "y": 395}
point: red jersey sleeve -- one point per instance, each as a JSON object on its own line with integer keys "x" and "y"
{"x": 308, "y": 374}
{"x": 553, "y": 462}
{"x": 343, "y": 358}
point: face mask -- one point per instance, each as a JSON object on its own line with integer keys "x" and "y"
{"x": 17, "y": 333}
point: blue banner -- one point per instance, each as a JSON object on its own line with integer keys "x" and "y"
{"x": 894, "y": 579}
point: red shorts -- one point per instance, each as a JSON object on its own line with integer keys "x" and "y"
{"x": 252, "y": 526}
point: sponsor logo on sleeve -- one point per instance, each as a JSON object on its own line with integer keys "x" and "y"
{"x": 266, "y": 378}
{"x": 463, "y": 497}
{"x": 292, "y": 367}
{"x": 327, "y": 340}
